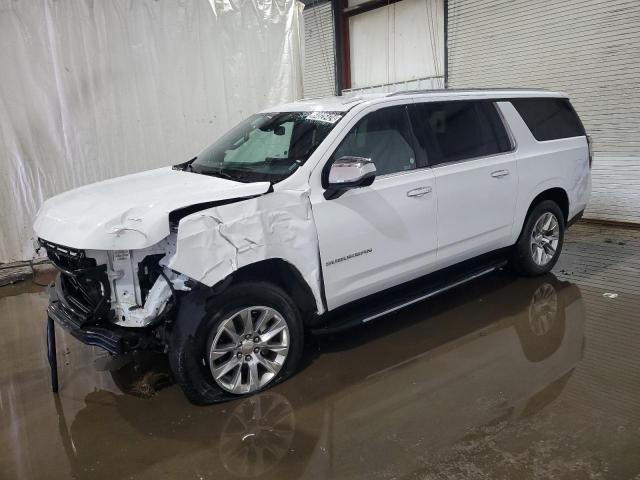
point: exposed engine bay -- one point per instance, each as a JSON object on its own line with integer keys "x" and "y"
{"x": 128, "y": 288}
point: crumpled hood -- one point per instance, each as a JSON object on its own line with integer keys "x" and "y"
{"x": 131, "y": 212}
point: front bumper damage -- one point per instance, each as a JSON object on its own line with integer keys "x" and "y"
{"x": 80, "y": 302}
{"x": 83, "y": 303}
{"x": 92, "y": 331}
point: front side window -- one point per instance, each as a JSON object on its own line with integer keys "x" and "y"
{"x": 458, "y": 130}
{"x": 383, "y": 136}
{"x": 549, "y": 118}
{"x": 266, "y": 146}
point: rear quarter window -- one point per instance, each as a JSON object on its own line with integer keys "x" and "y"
{"x": 549, "y": 118}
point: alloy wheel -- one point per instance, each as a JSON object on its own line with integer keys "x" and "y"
{"x": 249, "y": 349}
{"x": 545, "y": 237}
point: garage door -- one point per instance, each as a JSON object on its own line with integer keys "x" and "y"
{"x": 587, "y": 48}
{"x": 319, "y": 41}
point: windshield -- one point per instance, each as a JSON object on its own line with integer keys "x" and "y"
{"x": 266, "y": 146}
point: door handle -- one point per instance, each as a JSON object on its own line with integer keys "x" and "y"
{"x": 500, "y": 173}
{"x": 418, "y": 192}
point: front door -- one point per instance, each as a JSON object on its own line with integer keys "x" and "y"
{"x": 375, "y": 237}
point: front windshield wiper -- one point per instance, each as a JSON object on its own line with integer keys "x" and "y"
{"x": 185, "y": 166}
{"x": 219, "y": 172}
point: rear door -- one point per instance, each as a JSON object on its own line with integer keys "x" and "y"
{"x": 375, "y": 237}
{"x": 471, "y": 155}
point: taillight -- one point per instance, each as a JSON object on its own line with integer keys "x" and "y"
{"x": 590, "y": 145}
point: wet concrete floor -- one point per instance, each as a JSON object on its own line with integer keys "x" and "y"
{"x": 502, "y": 378}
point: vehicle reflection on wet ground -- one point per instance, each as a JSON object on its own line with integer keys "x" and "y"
{"x": 502, "y": 378}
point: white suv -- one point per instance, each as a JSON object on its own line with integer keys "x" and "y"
{"x": 313, "y": 216}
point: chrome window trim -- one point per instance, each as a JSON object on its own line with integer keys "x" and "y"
{"x": 472, "y": 159}
{"x": 398, "y": 174}
{"x": 558, "y": 139}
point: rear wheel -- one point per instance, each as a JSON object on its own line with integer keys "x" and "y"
{"x": 250, "y": 338}
{"x": 541, "y": 240}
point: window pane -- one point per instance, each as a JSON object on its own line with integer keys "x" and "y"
{"x": 549, "y": 118}
{"x": 267, "y": 146}
{"x": 457, "y": 130}
{"x": 490, "y": 111}
{"x": 383, "y": 136}
{"x": 261, "y": 144}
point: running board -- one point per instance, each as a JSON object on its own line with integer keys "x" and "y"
{"x": 430, "y": 294}
{"x": 397, "y": 298}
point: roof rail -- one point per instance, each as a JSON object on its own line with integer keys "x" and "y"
{"x": 413, "y": 92}
{"x": 462, "y": 90}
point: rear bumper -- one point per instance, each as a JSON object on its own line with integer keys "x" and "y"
{"x": 112, "y": 338}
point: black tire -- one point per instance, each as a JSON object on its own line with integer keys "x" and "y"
{"x": 188, "y": 354}
{"x": 522, "y": 260}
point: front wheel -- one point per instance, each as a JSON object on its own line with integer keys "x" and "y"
{"x": 541, "y": 240}
{"x": 250, "y": 338}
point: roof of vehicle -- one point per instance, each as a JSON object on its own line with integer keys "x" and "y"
{"x": 345, "y": 103}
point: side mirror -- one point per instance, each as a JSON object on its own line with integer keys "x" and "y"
{"x": 347, "y": 173}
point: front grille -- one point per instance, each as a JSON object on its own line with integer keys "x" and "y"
{"x": 84, "y": 286}
{"x": 66, "y": 258}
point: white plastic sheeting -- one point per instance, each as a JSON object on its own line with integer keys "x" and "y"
{"x": 91, "y": 90}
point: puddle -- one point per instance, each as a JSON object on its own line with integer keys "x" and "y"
{"x": 504, "y": 377}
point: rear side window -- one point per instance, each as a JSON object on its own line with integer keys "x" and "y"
{"x": 458, "y": 130}
{"x": 549, "y": 118}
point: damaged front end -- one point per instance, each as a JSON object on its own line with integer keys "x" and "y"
{"x": 117, "y": 300}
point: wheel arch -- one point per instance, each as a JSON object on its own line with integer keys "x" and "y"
{"x": 557, "y": 194}
{"x": 188, "y": 338}
{"x": 281, "y": 273}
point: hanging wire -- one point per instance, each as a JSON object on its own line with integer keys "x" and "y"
{"x": 387, "y": 43}
{"x": 436, "y": 37}
{"x": 323, "y": 41}
{"x": 432, "y": 35}
{"x": 429, "y": 27}
{"x": 394, "y": 44}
